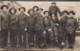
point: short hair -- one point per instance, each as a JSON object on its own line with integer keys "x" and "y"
{"x": 45, "y": 12}
{"x": 12, "y": 9}
{"x": 36, "y": 7}
{"x": 22, "y": 8}
{"x": 72, "y": 12}
{"x": 4, "y": 6}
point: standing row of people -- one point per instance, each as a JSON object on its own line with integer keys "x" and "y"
{"x": 37, "y": 30}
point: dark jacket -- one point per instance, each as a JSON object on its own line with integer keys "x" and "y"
{"x": 71, "y": 25}
{"x": 55, "y": 10}
{"x": 63, "y": 22}
{"x": 4, "y": 20}
{"x": 47, "y": 22}
{"x": 13, "y": 21}
{"x": 31, "y": 22}
{"x": 38, "y": 22}
{"x": 0, "y": 21}
{"x": 23, "y": 21}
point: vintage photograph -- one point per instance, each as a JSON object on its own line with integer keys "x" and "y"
{"x": 39, "y": 26}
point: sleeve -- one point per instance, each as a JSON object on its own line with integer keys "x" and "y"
{"x": 58, "y": 10}
{"x": 26, "y": 20}
{"x": 76, "y": 24}
{"x": 49, "y": 10}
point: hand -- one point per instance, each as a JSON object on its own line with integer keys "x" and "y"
{"x": 62, "y": 43}
{"x": 25, "y": 29}
{"x": 44, "y": 32}
{"x": 57, "y": 24}
{"x": 49, "y": 29}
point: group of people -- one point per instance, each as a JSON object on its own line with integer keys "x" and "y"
{"x": 36, "y": 30}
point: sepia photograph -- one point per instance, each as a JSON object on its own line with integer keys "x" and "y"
{"x": 39, "y": 26}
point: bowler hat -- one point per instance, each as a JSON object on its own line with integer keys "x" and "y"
{"x": 4, "y": 6}
{"x": 22, "y": 8}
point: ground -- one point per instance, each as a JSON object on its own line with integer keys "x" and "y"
{"x": 76, "y": 48}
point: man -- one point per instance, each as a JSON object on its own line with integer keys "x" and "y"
{"x": 35, "y": 9}
{"x": 13, "y": 27}
{"x": 63, "y": 34}
{"x": 71, "y": 26}
{"x": 54, "y": 9}
{"x": 48, "y": 33}
{"x": 5, "y": 25}
{"x": 31, "y": 32}
{"x": 23, "y": 23}
{"x": 39, "y": 28}
{"x": 55, "y": 27}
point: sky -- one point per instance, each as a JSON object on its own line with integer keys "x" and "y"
{"x": 68, "y": 5}
{"x": 45, "y": 5}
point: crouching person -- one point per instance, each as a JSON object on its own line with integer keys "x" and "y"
{"x": 13, "y": 27}
{"x": 71, "y": 26}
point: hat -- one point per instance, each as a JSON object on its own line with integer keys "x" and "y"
{"x": 12, "y": 9}
{"x": 36, "y": 7}
{"x": 72, "y": 12}
{"x": 65, "y": 11}
{"x": 30, "y": 10}
{"x": 4, "y": 6}
{"x": 22, "y": 8}
{"x": 41, "y": 9}
{"x": 45, "y": 12}
{"x": 53, "y": 2}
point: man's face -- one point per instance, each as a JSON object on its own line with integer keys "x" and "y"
{"x": 35, "y": 9}
{"x": 12, "y": 11}
{"x": 46, "y": 14}
{"x": 65, "y": 14}
{"x": 39, "y": 11}
{"x": 5, "y": 9}
{"x": 71, "y": 15}
{"x": 22, "y": 10}
{"x": 31, "y": 12}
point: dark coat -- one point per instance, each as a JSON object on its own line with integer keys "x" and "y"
{"x": 13, "y": 21}
{"x": 55, "y": 10}
{"x": 0, "y": 21}
{"x": 31, "y": 21}
{"x": 5, "y": 20}
{"x": 38, "y": 22}
{"x": 23, "y": 20}
{"x": 63, "y": 22}
{"x": 47, "y": 22}
{"x": 71, "y": 25}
